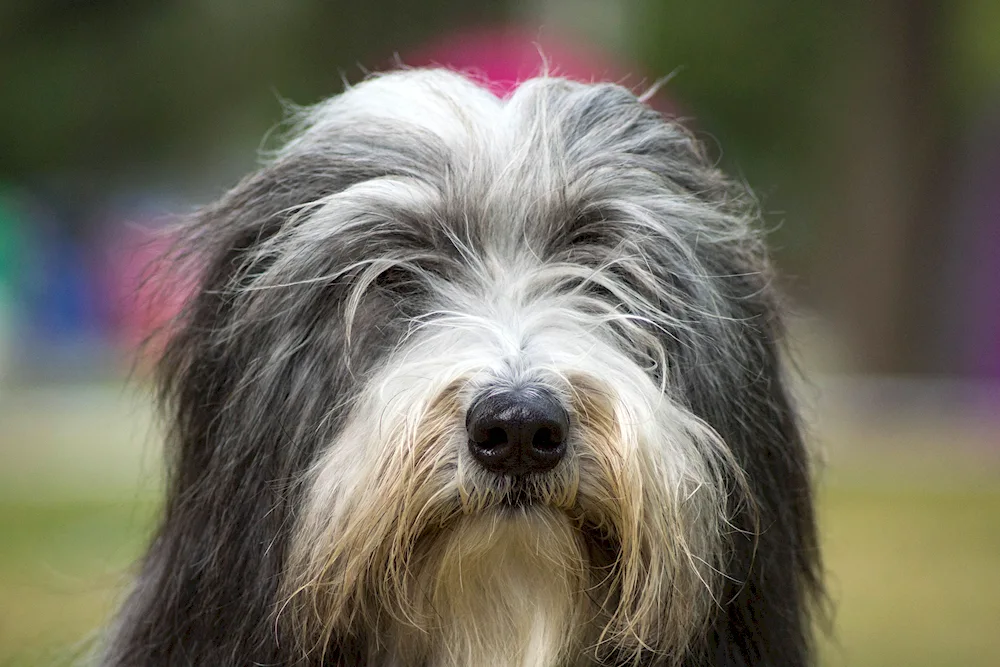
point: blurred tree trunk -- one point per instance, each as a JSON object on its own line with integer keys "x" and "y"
{"x": 882, "y": 252}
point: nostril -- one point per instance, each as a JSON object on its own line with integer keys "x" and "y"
{"x": 495, "y": 437}
{"x": 547, "y": 438}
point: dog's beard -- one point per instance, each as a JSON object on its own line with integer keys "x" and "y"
{"x": 428, "y": 560}
{"x": 503, "y": 588}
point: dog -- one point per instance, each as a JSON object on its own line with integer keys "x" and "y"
{"x": 478, "y": 381}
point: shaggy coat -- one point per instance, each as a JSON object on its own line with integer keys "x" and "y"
{"x": 419, "y": 242}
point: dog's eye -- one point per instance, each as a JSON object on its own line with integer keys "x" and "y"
{"x": 590, "y": 229}
{"x": 587, "y": 228}
{"x": 398, "y": 280}
{"x": 589, "y": 236}
{"x": 603, "y": 294}
{"x": 392, "y": 276}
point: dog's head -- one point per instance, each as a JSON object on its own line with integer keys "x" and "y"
{"x": 494, "y": 370}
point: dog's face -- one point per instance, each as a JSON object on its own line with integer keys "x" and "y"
{"x": 517, "y": 463}
{"x": 485, "y": 363}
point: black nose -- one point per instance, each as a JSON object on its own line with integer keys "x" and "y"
{"x": 517, "y": 431}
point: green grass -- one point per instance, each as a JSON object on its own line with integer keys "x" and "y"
{"x": 914, "y": 572}
{"x": 62, "y": 567}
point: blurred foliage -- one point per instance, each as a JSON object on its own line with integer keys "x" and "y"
{"x": 974, "y": 47}
{"x": 100, "y": 89}
{"x": 103, "y": 88}
{"x": 747, "y": 71}
{"x": 762, "y": 76}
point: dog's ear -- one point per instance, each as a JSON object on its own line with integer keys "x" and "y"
{"x": 245, "y": 405}
{"x": 707, "y": 270}
{"x": 773, "y": 579}
{"x": 730, "y": 366}
{"x": 773, "y": 570}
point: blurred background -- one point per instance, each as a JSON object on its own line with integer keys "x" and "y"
{"x": 869, "y": 129}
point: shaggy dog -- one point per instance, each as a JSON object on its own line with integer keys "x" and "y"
{"x": 470, "y": 381}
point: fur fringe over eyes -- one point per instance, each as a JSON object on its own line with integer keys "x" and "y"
{"x": 420, "y": 244}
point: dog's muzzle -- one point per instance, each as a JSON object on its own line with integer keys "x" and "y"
{"x": 517, "y": 431}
